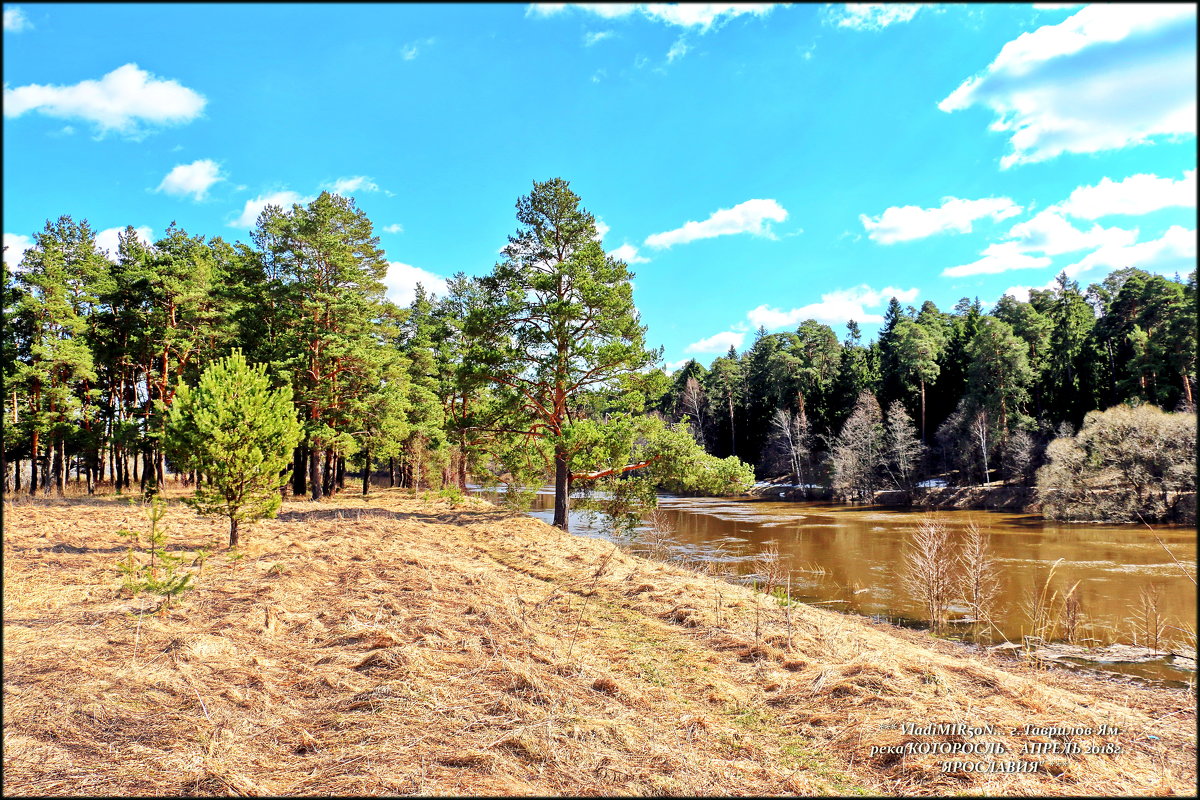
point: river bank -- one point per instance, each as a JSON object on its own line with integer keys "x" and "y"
{"x": 402, "y": 645}
{"x": 998, "y": 497}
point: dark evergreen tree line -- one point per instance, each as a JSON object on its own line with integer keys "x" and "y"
{"x": 978, "y": 395}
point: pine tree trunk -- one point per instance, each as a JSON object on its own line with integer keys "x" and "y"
{"x": 922, "y": 411}
{"x": 732, "y": 432}
{"x": 33, "y": 465}
{"x": 562, "y": 491}
{"x": 160, "y": 469}
{"x": 327, "y": 473}
{"x": 392, "y": 473}
{"x": 341, "y": 473}
{"x": 1187, "y": 390}
{"x": 148, "y": 470}
{"x": 298, "y": 468}
{"x": 233, "y": 532}
{"x": 59, "y": 466}
{"x": 366, "y": 470}
{"x": 17, "y": 477}
{"x": 314, "y": 472}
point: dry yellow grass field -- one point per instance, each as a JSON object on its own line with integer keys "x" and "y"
{"x": 413, "y": 646}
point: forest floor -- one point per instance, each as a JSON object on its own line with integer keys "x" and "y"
{"x": 403, "y": 645}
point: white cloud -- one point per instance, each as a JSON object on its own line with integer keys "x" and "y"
{"x": 16, "y": 245}
{"x": 1174, "y": 252}
{"x": 1019, "y": 293}
{"x": 15, "y": 20}
{"x": 717, "y": 343}
{"x": 1107, "y": 77}
{"x": 285, "y": 199}
{"x": 1048, "y": 233}
{"x": 108, "y": 239}
{"x": 413, "y": 49}
{"x": 395, "y": 227}
{"x": 402, "y": 279}
{"x": 601, "y": 229}
{"x": 998, "y": 258}
{"x": 1137, "y": 194}
{"x": 191, "y": 179}
{"x": 748, "y": 217}
{"x": 871, "y": 16}
{"x": 678, "y": 50}
{"x": 594, "y": 37}
{"x": 671, "y": 366}
{"x": 629, "y": 254}
{"x": 904, "y": 223}
{"x": 841, "y": 305}
{"x": 347, "y": 186}
{"x": 684, "y": 15}
{"x": 121, "y": 101}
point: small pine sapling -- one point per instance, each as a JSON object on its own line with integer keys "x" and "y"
{"x": 240, "y": 433}
{"x": 159, "y": 573}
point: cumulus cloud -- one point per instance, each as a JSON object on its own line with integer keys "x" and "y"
{"x": 1174, "y": 251}
{"x": 601, "y": 229}
{"x": 837, "y": 306}
{"x": 15, "y": 246}
{"x": 15, "y": 20}
{"x": 905, "y": 223}
{"x": 193, "y": 179}
{"x": 870, "y": 16}
{"x": 348, "y": 186}
{"x": 1050, "y": 234}
{"x": 1136, "y": 195}
{"x": 125, "y": 101}
{"x": 717, "y": 343}
{"x": 750, "y": 217}
{"x": 1107, "y": 77}
{"x": 284, "y": 199}
{"x": 395, "y": 227}
{"x": 629, "y": 254}
{"x": 702, "y": 16}
{"x": 997, "y": 258}
{"x": 402, "y": 279}
{"x": 108, "y": 239}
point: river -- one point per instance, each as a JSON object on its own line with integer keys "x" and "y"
{"x": 852, "y": 558}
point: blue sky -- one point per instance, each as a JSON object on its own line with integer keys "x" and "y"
{"x": 755, "y": 164}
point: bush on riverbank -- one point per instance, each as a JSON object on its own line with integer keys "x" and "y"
{"x": 1126, "y": 464}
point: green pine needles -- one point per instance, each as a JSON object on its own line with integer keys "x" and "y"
{"x": 239, "y": 434}
{"x": 159, "y": 573}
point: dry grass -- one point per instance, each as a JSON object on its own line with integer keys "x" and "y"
{"x": 407, "y": 646}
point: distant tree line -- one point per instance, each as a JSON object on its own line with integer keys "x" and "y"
{"x": 539, "y": 371}
{"x": 970, "y": 397}
{"x": 535, "y": 372}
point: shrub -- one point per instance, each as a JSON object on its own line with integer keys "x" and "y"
{"x": 1124, "y": 465}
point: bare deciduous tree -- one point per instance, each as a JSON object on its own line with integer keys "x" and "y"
{"x": 978, "y": 581}
{"x": 929, "y": 569}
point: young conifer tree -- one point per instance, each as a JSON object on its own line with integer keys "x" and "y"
{"x": 239, "y": 433}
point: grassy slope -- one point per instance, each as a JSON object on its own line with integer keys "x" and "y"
{"x": 408, "y": 646}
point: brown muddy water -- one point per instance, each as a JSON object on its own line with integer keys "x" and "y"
{"x": 851, "y": 558}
